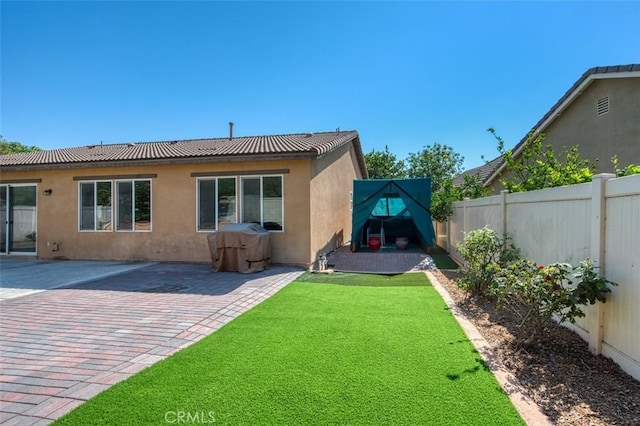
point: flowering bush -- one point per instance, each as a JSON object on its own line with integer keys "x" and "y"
{"x": 537, "y": 293}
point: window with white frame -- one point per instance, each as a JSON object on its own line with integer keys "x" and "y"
{"x": 262, "y": 201}
{"x": 95, "y": 206}
{"x": 216, "y": 203}
{"x": 131, "y": 203}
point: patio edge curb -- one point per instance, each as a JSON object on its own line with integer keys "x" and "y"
{"x": 526, "y": 407}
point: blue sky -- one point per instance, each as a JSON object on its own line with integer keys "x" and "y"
{"x": 403, "y": 74}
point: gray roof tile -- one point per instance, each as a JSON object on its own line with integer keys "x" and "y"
{"x": 482, "y": 172}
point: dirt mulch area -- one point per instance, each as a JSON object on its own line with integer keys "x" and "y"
{"x": 571, "y": 385}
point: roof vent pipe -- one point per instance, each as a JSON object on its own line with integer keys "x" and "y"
{"x": 230, "y": 130}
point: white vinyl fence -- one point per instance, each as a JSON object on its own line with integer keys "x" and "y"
{"x": 598, "y": 220}
{"x": 24, "y": 222}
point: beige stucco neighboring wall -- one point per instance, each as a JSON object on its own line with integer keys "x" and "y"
{"x": 331, "y": 185}
{"x": 173, "y": 193}
{"x": 600, "y": 137}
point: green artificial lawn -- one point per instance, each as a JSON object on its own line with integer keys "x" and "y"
{"x": 442, "y": 259}
{"x": 319, "y": 353}
{"x": 369, "y": 280}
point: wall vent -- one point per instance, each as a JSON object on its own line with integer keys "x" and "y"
{"x": 602, "y": 106}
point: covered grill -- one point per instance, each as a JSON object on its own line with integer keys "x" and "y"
{"x": 241, "y": 247}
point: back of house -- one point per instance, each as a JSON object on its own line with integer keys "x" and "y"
{"x": 158, "y": 201}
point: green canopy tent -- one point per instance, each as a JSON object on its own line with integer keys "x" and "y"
{"x": 400, "y": 206}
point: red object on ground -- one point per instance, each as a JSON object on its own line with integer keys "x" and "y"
{"x": 374, "y": 243}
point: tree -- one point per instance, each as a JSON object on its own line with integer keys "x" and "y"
{"x": 538, "y": 167}
{"x": 472, "y": 187}
{"x": 443, "y": 199}
{"x": 439, "y": 162}
{"x": 7, "y": 147}
{"x": 384, "y": 165}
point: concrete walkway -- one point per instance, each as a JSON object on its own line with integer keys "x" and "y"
{"x": 63, "y": 346}
{"x": 22, "y": 276}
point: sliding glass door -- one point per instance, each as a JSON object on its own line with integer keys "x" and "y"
{"x": 18, "y": 219}
{"x": 4, "y": 219}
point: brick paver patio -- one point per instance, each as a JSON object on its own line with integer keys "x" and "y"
{"x": 61, "y": 347}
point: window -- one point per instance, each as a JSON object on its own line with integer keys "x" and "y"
{"x": 95, "y": 206}
{"x": 251, "y": 209}
{"x": 132, "y": 206}
{"x": 216, "y": 203}
{"x": 390, "y": 205}
{"x": 262, "y": 202}
{"x": 259, "y": 200}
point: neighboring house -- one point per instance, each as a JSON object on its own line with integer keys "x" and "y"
{"x": 600, "y": 113}
{"x": 158, "y": 201}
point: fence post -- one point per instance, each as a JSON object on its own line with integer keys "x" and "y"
{"x": 503, "y": 204}
{"x": 595, "y": 319}
{"x": 465, "y": 216}
{"x": 448, "y": 239}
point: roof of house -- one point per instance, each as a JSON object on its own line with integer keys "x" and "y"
{"x": 493, "y": 168}
{"x": 244, "y": 148}
{"x": 482, "y": 172}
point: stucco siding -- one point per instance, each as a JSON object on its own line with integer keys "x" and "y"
{"x": 331, "y": 185}
{"x": 600, "y": 137}
{"x": 173, "y": 235}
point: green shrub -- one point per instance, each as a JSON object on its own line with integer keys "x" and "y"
{"x": 630, "y": 169}
{"x": 536, "y": 293}
{"x": 591, "y": 287}
{"x": 538, "y": 166}
{"x": 485, "y": 255}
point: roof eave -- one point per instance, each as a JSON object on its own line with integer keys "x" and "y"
{"x": 360, "y": 157}
{"x": 164, "y": 161}
{"x": 357, "y": 147}
{"x": 578, "y": 91}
